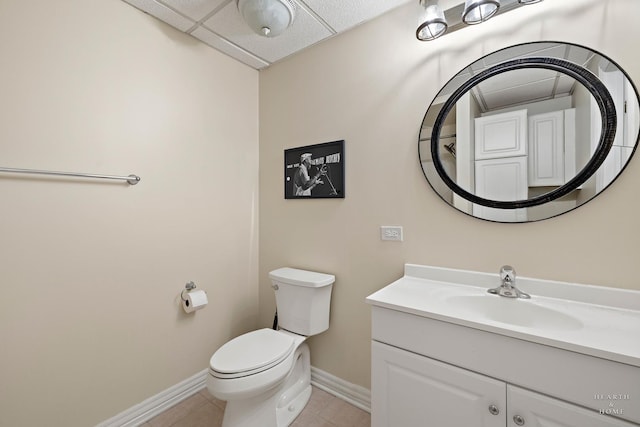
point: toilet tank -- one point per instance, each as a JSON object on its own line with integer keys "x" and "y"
{"x": 303, "y": 299}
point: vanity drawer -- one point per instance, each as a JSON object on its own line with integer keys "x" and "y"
{"x": 585, "y": 380}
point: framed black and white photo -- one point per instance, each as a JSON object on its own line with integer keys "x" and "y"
{"x": 314, "y": 171}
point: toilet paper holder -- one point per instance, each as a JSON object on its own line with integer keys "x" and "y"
{"x": 187, "y": 288}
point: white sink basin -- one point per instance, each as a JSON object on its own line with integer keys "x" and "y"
{"x": 598, "y": 321}
{"x": 514, "y": 311}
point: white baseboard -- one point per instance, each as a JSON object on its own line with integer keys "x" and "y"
{"x": 143, "y": 412}
{"x": 354, "y": 394}
{"x": 159, "y": 403}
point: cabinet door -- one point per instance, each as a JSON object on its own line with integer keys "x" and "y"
{"x": 501, "y": 179}
{"x": 409, "y": 390}
{"x": 536, "y": 410}
{"x": 501, "y": 135}
{"x": 546, "y": 149}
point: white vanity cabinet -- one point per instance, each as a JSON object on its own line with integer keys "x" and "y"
{"x": 527, "y": 408}
{"x": 445, "y": 353}
{"x": 412, "y": 390}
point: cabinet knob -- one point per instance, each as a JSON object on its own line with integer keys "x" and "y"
{"x": 494, "y": 410}
{"x": 518, "y": 420}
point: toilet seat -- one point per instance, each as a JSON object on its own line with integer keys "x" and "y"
{"x": 251, "y": 353}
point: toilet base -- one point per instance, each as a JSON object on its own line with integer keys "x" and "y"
{"x": 279, "y": 406}
{"x": 286, "y": 414}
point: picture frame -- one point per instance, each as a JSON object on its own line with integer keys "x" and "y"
{"x": 314, "y": 171}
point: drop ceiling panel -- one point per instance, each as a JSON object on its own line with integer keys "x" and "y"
{"x": 342, "y": 15}
{"x": 163, "y": 13}
{"x": 230, "y": 49}
{"x": 195, "y": 9}
{"x": 516, "y": 79}
{"x": 527, "y": 93}
{"x": 305, "y": 31}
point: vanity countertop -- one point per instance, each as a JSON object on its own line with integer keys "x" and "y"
{"x": 592, "y": 320}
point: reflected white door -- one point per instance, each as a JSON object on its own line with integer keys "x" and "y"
{"x": 501, "y": 135}
{"x": 503, "y": 179}
{"x": 546, "y": 149}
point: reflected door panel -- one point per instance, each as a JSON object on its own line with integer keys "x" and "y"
{"x": 501, "y": 135}
{"x": 546, "y": 149}
{"x": 501, "y": 179}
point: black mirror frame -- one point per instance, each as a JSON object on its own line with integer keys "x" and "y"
{"x": 597, "y": 89}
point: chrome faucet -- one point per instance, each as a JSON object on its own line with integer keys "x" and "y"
{"x": 508, "y": 286}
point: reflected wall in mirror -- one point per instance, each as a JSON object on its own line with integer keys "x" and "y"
{"x": 530, "y": 132}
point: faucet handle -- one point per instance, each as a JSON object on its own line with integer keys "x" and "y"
{"x": 507, "y": 273}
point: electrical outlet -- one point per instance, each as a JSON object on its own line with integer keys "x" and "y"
{"x": 391, "y": 232}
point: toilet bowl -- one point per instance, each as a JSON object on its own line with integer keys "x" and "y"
{"x": 265, "y": 375}
{"x": 270, "y": 390}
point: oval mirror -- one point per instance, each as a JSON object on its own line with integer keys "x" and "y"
{"x": 530, "y": 132}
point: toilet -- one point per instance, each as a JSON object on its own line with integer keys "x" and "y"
{"x": 265, "y": 375}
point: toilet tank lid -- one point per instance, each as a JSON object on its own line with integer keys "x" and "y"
{"x": 294, "y": 276}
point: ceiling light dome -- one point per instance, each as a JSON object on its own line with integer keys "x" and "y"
{"x": 267, "y": 18}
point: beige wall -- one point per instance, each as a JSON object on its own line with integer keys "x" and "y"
{"x": 371, "y": 87}
{"x": 91, "y": 272}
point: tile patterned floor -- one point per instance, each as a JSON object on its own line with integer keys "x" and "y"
{"x": 204, "y": 410}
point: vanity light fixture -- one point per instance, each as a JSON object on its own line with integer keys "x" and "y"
{"x": 267, "y": 18}
{"x": 434, "y": 23}
{"x": 477, "y": 11}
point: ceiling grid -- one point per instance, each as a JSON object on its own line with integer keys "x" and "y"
{"x": 218, "y": 24}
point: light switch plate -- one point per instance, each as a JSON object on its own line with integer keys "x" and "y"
{"x": 391, "y": 232}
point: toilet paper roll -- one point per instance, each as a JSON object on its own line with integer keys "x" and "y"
{"x": 194, "y": 300}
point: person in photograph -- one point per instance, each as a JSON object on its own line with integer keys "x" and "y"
{"x": 302, "y": 182}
